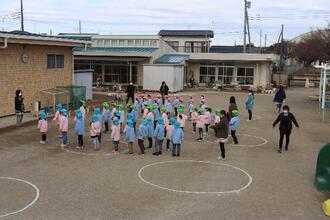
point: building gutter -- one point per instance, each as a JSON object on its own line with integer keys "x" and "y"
{"x": 5, "y": 43}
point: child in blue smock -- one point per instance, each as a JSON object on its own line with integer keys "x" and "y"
{"x": 80, "y": 129}
{"x": 130, "y": 135}
{"x": 156, "y": 115}
{"x": 159, "y": 134}
{"x": 176, "y": 104}
{"x": 234, "y": 123}
{"x": 249, "y": 103}
{"x": 177, "y": 138}
{"x": 150, "y": 131}
{"x": 142, "y": 135}
{"x": 168, "y": 107}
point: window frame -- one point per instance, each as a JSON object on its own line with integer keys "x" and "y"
{"x": 57, "y": 63}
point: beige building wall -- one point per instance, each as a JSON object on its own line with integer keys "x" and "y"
{"x": 32, "y": 76}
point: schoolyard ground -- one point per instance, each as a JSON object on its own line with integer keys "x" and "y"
{"x": 48, "y": 182}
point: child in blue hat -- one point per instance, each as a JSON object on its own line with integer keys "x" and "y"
{"x": 130, "y": 135}
{"x": 177, "y": 138}
{"x": 43, "y": 127}
{"x": 142, "y": 135}
{"x": 159, "y": 134}
{"x": 80, "y": 129}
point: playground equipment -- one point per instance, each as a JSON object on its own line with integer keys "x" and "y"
{"x": 322, "y": 175}
{"x": 324, "y": 81}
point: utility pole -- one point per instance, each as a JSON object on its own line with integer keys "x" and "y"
{"x": 265, "y": 40}
{"x": 22, "y": 17}
{"x": 281, "y": 40}
{"x": 260, "y": 40}
{"x": 79, "y": 26}
{"x": 247, "y": 4}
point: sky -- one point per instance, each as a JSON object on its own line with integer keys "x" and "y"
{"x": 224, "y": 17}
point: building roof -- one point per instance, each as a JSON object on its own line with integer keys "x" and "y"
{"x": 115, "y": 51}
{"x": 23, "y": 37}
{"x": 226, "y": 49}
{"x": 171, "y": 59}
{"x": 186, "y": 33}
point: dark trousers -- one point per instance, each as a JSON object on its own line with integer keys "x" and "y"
{"x": 99, "y": 137}
{"x": 194, "y": 127}
{"x": 80, "y": 141}
{"x": 165, "y": 132}
{"x": 106, "y": 125}
{"x": 200, "y": 131}
{"x": 287, "y": 139}
{"x": 279, "y": 107}
{"x": 155, "y": 124}
{"x": 141, "y": 145}
{"x": 250, "y": 114}
{"x": 130, "y": 97}
{"x": 168, "y": 141}
{"x": 207, "y": 128}
{"x": 150, "y": 142}
{"x": 176, "y": 149}
{"x": 43, "y": 137}
{"x": 176, "y": 111}
{"x": 233, "y": 134}
{"x": 222, "y": 150}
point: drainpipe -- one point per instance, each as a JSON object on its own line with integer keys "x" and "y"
{"x": 5, "y": 43}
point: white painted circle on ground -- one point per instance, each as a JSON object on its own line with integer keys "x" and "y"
{"x": 196, "y": 192}
{"x": 36, "y": 189}
{"x": 264, "y": 141}
{"x": 80, "y": 152}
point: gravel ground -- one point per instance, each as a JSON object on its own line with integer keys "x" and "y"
{"x": 97, "y": 185}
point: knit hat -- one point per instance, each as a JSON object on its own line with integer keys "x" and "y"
{"x": 181, "y": 111}
{"x": 58, "y": 107}
{"x": 106, "y": 105}
{"x": 177, "y": 124}
{"x": 200, "y": 111}
{"x": 217, "y": 111}
{"x": 235, "y": 113}
{"x": 42, "y": 115}
{"x": 83, "y": 102}
{"x": 78, "y": 114}
{"x": 64, "y": 112}
{"x": 97, "y": 111}
{"x": 130, "y": 123}
{"x": 95, "y": 118}
{"x": 114, "y": 104}
{"x": 120, "y": 107}
{"x": 163, "y": 109}
{"x": 115, "y": 121}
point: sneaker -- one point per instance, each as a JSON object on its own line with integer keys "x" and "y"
{"x": 63, "y": 145}
{"x": 78, "y": 147}
{"x": 280, "y": 151}
{"x": 236, "y": 143}
{"x": 155, "y": 154}
{"x": 286, "y": 149}
{"x": 173, "y": 155}
{"x": 160, "y": 153}
{"x": 194, "y": 132}
{"x": 200, "y": 139}
{"x": 42, "y": 142}
{"x": 221, "y": 158}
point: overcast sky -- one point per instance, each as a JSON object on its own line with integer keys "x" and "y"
{"x": 225, "y": 17}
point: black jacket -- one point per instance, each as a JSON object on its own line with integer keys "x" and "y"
{"x": 19, "y": 104}
{"x": 222, "y": 128}
{"x": 130, "y": 90}
{"x": 280, "y": 96}
{"x": 286, "y": 121}
{"x": 164, "y": 90}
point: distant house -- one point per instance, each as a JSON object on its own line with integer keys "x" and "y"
{"x": 32, "y": 63}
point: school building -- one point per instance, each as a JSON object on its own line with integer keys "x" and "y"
{"x": 32, "y": 63}
{"x": 174, "y": 56}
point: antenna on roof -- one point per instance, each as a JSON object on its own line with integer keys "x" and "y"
{"x": 22, "y": 17}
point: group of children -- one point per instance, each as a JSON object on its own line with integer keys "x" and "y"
{"x": 161, "y": 121}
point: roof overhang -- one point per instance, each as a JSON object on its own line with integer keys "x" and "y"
{"x": 111, "y": 58}
{"x": 233, "y": 57}
{"x": 42, "y": 40}
{"x": 111, "y": 54}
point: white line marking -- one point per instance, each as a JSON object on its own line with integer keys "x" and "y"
{"x": 265, "y": 141}
{"x": 195, "y": 192}
{"x": 31, "y": 203}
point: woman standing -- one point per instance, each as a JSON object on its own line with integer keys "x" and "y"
{"x": 249, "y": 104}
{"x": 285, "y": 118}
{"x": 222, "y": 130}
{"x": 19, "y": 107}
{"x": 279, "y": 98}
{"x": 232, "y": 107}
{"x": 163, "y": 91}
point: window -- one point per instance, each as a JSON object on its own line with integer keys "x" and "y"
{"x": 114, "y": 43}
{"x": 245, "y": 76}
{"x": 225, "y": 74}
{"x": 207, "y": 74}
{"x": 119, "y": 73}
{"x": 196, "y": 47}
{"x": 153, "y": 43}
{"x": 130, "y": 43}
{"x": 138, "y": 43}
{"x": 174, "y": 45}
{"x": 121, "y": 43}
{"x": 145, "y": 43}
{"x": 100, "y": 42}
{"x": 107, "y": 42}
{"x": 55, "y": 61}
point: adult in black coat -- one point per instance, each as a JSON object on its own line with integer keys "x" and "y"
{"x": 19, "y": 107}
{"x": 279, "y": 98}
{"x": 130, "y": 92}
{"x": 285, "y": 119}
{"x": 163, "y": 91}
